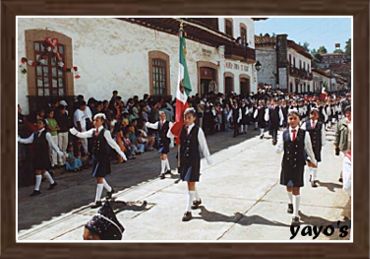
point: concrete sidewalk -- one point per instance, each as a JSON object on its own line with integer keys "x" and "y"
{"x": 242, "y": 200}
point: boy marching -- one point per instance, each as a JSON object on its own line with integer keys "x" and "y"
{"x": 296, "y": 144}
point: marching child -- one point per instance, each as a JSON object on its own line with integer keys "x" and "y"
{"x": 296, "y": 144}
{"x": 192, "y": 144}
{"x": 42, "y": 141}
{"x": 163, "y": 142}
{"x": 260, "y": 115}
{"x": 101, "y": 139}
{"x": 317, "y": 134}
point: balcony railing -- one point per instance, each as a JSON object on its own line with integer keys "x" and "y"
{"x": 240, "y": 52}
{"x": 301, "y": 73}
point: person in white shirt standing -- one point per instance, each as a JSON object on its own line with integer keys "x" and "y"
{"x": 295, "y": 143}
{"x": 102, "y": 141}
{"x": 42, "y": 141}
{"x": 79, "y": 121}
{"x": 163, "y": 142}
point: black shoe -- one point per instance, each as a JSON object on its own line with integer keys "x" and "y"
{"x": 340, "y": 179}
{"x": 96, "y": 205}
{"x": 261, "y": 137}
{"x": 34, "y": 193}
{"x": 314, "y": 184}
{"x": 162, "y": 176}
{"x": 168, "y": 172}
{"x": 196, "y": 204}
{"x": 52, "y": 185}
{"x": 187, "y": 216}
{"x": 295, "y": 221}
{"x": 109, "y": 194}
{"x": 290, "y": 208}
{"x": 274, "y": 142}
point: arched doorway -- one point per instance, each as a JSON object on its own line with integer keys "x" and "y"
{"x": 228, "y": 82}
{"x": 207, "y": 77}
{"x": 245, "y": 87}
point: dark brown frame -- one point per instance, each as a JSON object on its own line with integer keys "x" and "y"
{"x": 358, "y": 8}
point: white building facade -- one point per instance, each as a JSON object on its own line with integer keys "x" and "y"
{"x": 285, "y": 64}
{"x": 134, "y": 56}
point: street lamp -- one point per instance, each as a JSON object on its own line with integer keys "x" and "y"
{"x": 258, "y": 66}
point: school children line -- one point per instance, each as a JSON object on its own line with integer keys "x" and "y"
{"x": 304, "y": 119}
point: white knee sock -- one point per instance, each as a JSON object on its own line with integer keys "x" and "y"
{"x": 99, "y": 190}
{"x": 196, "y": 195}
{"x": 262, "y": 130}
{"x": 167, "y": 165}
{"x": 50, "y": 179}
{"x": 107, "y": 186}
{"x": 290, "y": 197}
{"x": 38, "y": 182}
{"x": 314, "y": 173}
{"x": 163, "y": 166}
{"x": 296, "y": 200}
{"x": 189, "y": 200}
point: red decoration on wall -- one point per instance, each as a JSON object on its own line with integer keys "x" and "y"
{"x": 51, "y": 48}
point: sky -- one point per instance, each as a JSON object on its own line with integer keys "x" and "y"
{"x": 321, "y": 31}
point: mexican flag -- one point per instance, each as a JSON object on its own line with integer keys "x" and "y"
{"x": 183, "y": 87}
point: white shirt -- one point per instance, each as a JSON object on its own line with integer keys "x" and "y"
{"x": 281, "y": 115}
{"x": 88, "y": 113}
{"x": 80, "y": 116}
{"x": 30, "y": 140}
{"x": 155, "y": 125}
{"x": 307, "y": 144}
{"x": 323, "y": 136}
{"x": 90, "y": 133}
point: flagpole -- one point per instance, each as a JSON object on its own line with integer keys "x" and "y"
{"x": 181, "y": 29}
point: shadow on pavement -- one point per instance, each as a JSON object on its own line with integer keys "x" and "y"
{"x": 119, "y": 206}
{"x": 238, "y": 218}
{"x": 319, "y": 221}
{"x": 331, "y": 186}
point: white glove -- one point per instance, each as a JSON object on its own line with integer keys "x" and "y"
{"x": 73, "y": 131}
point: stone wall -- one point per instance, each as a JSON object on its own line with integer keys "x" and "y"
{"x": 113, "y": 54}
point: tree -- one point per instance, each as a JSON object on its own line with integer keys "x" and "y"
{"x": 313, "y": 52}
{"x": 338, "y": 51}
{"x": 322, "y": 50}
{"x": 347, "y": 48}
{"x": 305, "y": 46}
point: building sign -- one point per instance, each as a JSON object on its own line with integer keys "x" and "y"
{"x": 206, "y": 52}
{"x": 241, "y": 67}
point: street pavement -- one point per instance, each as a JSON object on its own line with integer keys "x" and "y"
{"x": 242, "y": 199}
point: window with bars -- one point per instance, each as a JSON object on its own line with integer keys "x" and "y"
{"x": 229, "y": 27}
{"x": 243, "y": 34}
{"x": 50, "y": 78}
{"x": 159, "y": 76}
